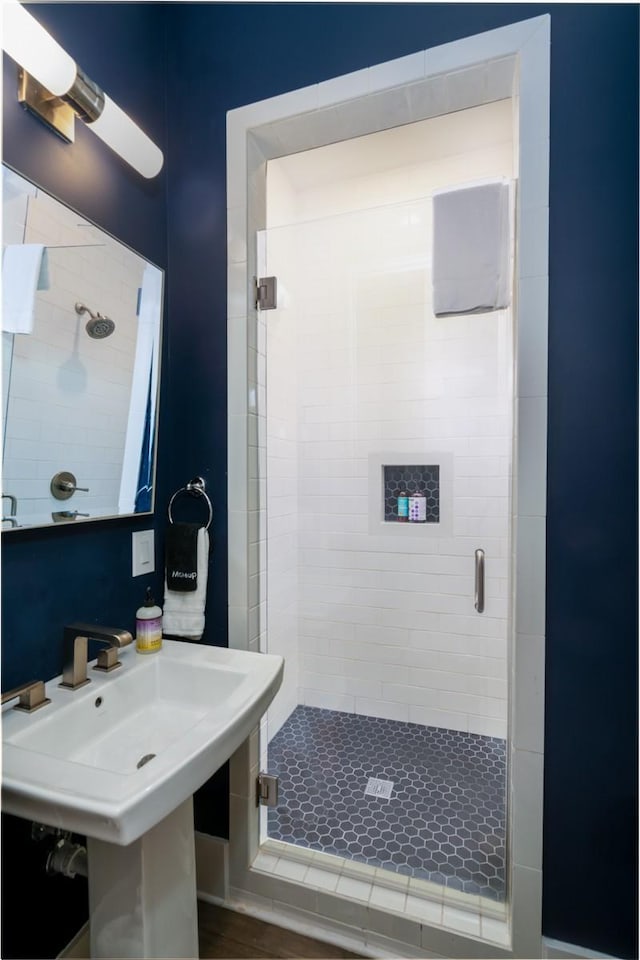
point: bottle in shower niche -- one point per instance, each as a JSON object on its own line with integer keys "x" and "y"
{"x": 403, "y": 506}
{"x": 148, "y": 625}
{"x": 417, "y": 507}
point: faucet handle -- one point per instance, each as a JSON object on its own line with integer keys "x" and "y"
{"x": 31, "y": 696}
{"x": 115, "y": 639}
{"x": 107, "y": 658}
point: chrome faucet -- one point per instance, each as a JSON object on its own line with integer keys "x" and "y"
{"x": 31, "y": 696}
{"x": 75, "y": 641}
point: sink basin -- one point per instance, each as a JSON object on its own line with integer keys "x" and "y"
{"x": 113, "y": 758}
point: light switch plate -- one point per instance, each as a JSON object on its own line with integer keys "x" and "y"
{"x": 142, "y": 553}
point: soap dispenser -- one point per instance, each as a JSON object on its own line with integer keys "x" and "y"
{"x": 148, "y": 625}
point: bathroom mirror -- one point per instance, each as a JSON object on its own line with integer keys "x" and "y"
{"x": 81, "y": 332}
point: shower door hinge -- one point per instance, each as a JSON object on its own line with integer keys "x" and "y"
{"x": 266, "y": 790}
{"x": 267, "y": 293}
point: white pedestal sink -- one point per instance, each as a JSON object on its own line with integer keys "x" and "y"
{"x": 118, "y": 761}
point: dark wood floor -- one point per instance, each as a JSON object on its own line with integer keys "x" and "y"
{"x": 236, "y": 936}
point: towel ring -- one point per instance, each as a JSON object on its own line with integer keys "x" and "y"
{"x": 195, "y": 489}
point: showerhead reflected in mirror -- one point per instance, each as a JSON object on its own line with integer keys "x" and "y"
{"x": 97, "y": 326}
{"x": 81, "y": 324}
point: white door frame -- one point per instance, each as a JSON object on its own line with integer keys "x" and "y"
{"x": 512, "y": 61}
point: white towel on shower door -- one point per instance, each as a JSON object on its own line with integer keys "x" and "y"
{"x": 471, "y": 249}
{"x": 183, "y": 612}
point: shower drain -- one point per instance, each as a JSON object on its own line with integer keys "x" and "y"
{"x": 141, "y": 762}
{"x": 379, "y": 788}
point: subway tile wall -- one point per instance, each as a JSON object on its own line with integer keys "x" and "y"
{"x": 358, "y": 364}
{"x": 57, "y": 417}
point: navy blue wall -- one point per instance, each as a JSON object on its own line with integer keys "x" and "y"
{"x": 243, "y": 53}
{"x": 217, "y": 61}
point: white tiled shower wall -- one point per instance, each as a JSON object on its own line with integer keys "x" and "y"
{"x": 69, "y": 394}
{"x": 356, "y": 365}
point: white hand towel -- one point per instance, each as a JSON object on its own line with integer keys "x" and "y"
{"x": 471, "y": 249}
{"x": 183, "y": 612}
{"x": 25, "y": 269}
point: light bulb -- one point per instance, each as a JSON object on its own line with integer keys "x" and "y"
{"x": 125, "y": 137}
{"x": 34, "y": 49}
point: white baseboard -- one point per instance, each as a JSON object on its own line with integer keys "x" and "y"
{"x": 212, "y": 866}
{"x": 557, "y": 950}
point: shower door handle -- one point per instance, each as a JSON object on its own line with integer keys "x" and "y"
{"x": 479, "y": 584}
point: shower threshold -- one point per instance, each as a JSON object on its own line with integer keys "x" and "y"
{"x": 421, "y": 803}
{"x": 418, "y": 904}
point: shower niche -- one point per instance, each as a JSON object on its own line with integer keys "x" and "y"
{"x": 410, "y": 492}
{"x": 402, "y": 482}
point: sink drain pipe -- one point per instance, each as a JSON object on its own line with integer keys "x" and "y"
{"x": 68, "y": 859}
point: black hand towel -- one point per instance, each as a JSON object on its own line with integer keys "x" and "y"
{"x": 181, "y": 561}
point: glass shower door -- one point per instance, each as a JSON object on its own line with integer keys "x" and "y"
{"x": 388, "y": 461}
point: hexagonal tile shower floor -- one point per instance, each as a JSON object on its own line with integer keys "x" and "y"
{"x": 444, "y": 820}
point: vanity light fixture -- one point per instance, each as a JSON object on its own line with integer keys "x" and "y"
{"x": 53, "y": 86}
